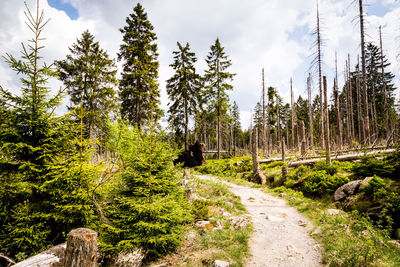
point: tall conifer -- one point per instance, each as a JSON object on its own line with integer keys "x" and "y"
{"x": 183, "y": 90}
{"x": 216, "y": 78}
{"x": 138, "y": 88}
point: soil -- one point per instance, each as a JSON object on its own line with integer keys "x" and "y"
{"x": 280, "y": 235}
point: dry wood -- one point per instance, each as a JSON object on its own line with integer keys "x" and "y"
{"x": 81, "y": 248}
{"x": 387, "y": 129}
{"x": 310, "y": 118}
{"x": 327, "y": 139}
{"x": 348, "y": 157}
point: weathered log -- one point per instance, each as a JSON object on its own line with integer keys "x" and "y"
{"x": 53, "y": 257}
{"x": 341, "y": 158}
{"x": 5, "y": 261}
{"x": 81, "y": 248}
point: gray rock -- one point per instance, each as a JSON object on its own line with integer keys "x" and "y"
{"x": 203, "y": 224}
{"x": 218, "y": 263}
{"x": 133, "y": 258}
{"x": 346, "y": 190}
{"x": 317, "y": 231}
{"x": 240, "y": 221}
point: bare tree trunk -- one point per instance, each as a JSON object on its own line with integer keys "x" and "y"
{"x": 186, "y": 126}
{"x": 338, "y": 117}
{"x": 81, "y": 248}
{"x": 278, "y": 137}
{"x": 364, "y": 75}
{"x": 359, "y": 109}
{"x": 374, "y": 115}
{"x": 348, "y": 119}
{"x": 283, "y": 149}
{"x": 293, "y": 112}
{"x": 264, "y": 150}
{"x": 302, "y": 139}
{"x": 321, "y": 127}
{"x": 328, "y": 149}
{"x": 351, "y": 101}
{"x": 310, "y": 117}
{"x": 386, "y": 110}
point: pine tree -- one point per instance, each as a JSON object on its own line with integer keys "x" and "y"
{"x": 216, "y": 78}
{"x": 138, "y": 87}
{"x": 42, "y": 194}
{"x": 89, "y": 76}
{"x": 183, "y": 90}
{"x": 148, "y": 207}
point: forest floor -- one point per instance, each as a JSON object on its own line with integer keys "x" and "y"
{"x": 280, "y": 236}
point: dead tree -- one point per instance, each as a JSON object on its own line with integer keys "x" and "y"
{"x": 278, "y": 126}
{"x": 321, "y": 137}
{"x": 327, "y": 145}
{"x": 338, "y": 117}
{"x": 351, "y": 100}
{"x": 386, "y": 110}
{"x": 257, "y": 175}
{"x": 364, "y": 75}
{"x": 263, "y": 116}
{"x": 293, "y": 112}
{"x": 347, "y": 101}
{"x": 81, "y": 248}
{"x": 310, "y": 118}
{"x": 302, "y": 139}
{"x": 359, "y": 109}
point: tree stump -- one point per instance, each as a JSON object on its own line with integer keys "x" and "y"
{"x": 81, "y": 248}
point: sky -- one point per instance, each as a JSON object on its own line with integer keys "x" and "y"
{"x": 270, "y": 34}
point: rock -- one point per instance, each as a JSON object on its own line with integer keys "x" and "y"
{"x": 204, "y": 224}
{"x": 317, "y": 231}
{"x": 218, "y": 263}
{"x": 364, "y": 233}
{"x": 346, "y": 190}
{"x": 397, "y": 234}
{"x": 332, "y": 211}
{"x": 282, "y": 195}
{"x": 133, "y": 258}
{"x": 302, "y": 223}
{"x": 81, "y": 248}
{"x": 53, "y": 257}
{"x": 240, "y": 221}
{"x": 218, "y": 226}
{"x": 364, "y": 183}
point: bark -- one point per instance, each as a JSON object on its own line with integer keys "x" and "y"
{"x": 341, "y": 158}
{"x": 254, "y": 150}
{"x": 364, "y": 76}
{"x": 293, "y": 112}
{"x": 278, "y": 126}
{"x": 302, "y": 139}
{"x": 186, "y": 126}
{"x": 351, "y": 101}
{"x": 386, "y": 110}
{"x": 327, "y": 143}
{"x": 338, "y": 117}
{"x": 81, "y": 248}
{"x": 310, "y": 117}
{"x": 348, "y": 119}
{"x": 263, "y": 116}
{"x": 321, "y": 124}
{"x": 283, "y": 149}
{"x": 359, "y": 110}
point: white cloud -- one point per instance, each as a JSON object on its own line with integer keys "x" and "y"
{"x": 272, "y": 34}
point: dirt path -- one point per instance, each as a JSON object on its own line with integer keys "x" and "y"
{"x": 281, "y": 233}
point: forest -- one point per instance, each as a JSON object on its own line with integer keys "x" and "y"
{"x": 107, "y": 163}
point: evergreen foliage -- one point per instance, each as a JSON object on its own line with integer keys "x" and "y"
{"x": 216, "y": 79}
{"x": 89, "y": 75}
{"x": 42, "y": 193}
{"x": 138, "y": 87}
{"x": 148, "y": 208}
{"x": 183, "y": 91}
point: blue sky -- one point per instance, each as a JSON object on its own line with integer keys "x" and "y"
{"x": 61, "y": 5}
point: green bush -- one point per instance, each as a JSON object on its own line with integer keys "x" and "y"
{"x": 299, "y": 173}
{"x": 200, "y": 209}
{"x": 331, "y": 169}
{"x": 377, "y": 188}
{"x": 319, "y": 183}
{"x": 369, "y": 166}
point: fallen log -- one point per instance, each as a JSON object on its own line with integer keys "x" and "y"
{"x": 341, "y": 158}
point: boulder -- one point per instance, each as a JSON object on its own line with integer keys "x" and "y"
{"x": 365, "y": 182}
{"x": 240, "y": 221}
{"x": 219, "y": 263}
{"x": 346, "y": 190}
{"x": 204, "y": 225}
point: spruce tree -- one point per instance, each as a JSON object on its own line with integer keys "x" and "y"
{"x": 138, "y": 87}
{"x": 89, "y": 76}
{"x": 216, "y": 79}
{"x": 43, "y": 194}
{"x": 183, "y": 90}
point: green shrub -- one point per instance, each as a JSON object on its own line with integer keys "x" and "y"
{"x": 330, "y": 169}
{"x": 319, "y": 183}
{"x": 369, "y": 166}
{"x": 200, "y": 209}
{"x": 377, "y": 188}
{"x": 299, "y": 173}
{"x": 275, "y": 164}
